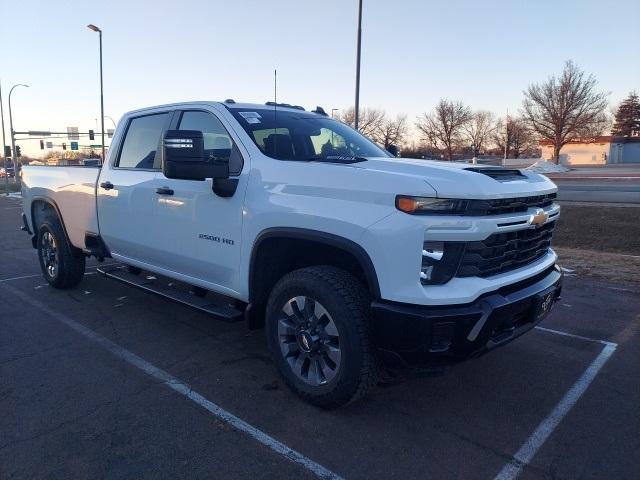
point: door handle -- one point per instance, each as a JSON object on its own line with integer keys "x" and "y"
{"x": 164, "y": 191}
{"x": 106, "y": 185}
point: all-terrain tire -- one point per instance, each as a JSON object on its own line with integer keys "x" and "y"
{"x": 69, "y": 261}
{"x": 347, "y": 303}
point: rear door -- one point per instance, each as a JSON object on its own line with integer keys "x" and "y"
{"x": 126, "y": 189}
{"x": 195, "y": 232}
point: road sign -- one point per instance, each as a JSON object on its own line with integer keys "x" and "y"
{"x": 39, "y": 133}
{"x": 95, "y": 146}
{"x": 72, "y": 133}
{"x": 110, "y": 132}
{"x": 74, "y": 145}
{"x": 49, "y": 144}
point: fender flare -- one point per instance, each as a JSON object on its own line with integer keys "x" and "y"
{"x": 55, "y": 207}
{"x": 349, "y": 246}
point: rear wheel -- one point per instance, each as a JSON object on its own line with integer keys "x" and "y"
{"x": 317, "y": 329}
{"x": 62, "y": 264}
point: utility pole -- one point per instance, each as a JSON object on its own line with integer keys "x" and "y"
{"x": 4, "y": 145}
{"x": 357, "y": 107}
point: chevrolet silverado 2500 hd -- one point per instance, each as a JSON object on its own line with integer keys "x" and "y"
{"x": 350, "y": 258}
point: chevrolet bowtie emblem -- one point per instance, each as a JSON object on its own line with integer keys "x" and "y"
{"x": 538, "y": 218}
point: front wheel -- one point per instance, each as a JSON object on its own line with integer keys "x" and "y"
{"x": 317, "y": 327}
{"x": 62, "y": 264}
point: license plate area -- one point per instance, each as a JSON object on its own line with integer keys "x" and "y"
{"x": 543, "y": 303}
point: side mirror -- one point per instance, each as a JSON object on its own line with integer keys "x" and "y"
{"x": 183, "y": 157}
{"x": 393, "y": 150}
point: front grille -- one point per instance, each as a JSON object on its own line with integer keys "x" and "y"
{"x": 502, "y": 252}
{"x": 508, "y": 205}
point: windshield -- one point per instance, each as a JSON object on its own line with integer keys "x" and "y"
{"x": 288, "y": 135}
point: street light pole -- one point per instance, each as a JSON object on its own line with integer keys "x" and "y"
{"x": 357, "y": 107}
{"x": 112, "y": 120}
{"x": 96, "y": 29}
{"x": 14, "y": 155}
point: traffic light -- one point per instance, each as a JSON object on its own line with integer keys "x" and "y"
{"x": 7, "y": 151}
{"x": 64, "y": 146}
{"x": 41, "y": 144}
{"x": 18, "y": 152}
{"x": 91, "y": 135}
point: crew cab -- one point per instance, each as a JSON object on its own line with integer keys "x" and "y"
{"x": 354, "y": 261}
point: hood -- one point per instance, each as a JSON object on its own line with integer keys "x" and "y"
{"x": 463, "y": 180}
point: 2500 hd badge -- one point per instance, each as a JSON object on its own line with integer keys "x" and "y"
{"x": 215, "y": 238}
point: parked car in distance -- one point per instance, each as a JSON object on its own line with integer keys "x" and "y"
{"x": 9, "y": 171}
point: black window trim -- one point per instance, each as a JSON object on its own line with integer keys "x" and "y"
{"x": 178, "y": 120}
{"x": 167, "y": 123}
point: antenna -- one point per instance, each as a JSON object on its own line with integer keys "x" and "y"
{"x": 275, "y": 112}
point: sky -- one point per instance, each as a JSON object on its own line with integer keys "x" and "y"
{"x": 414, "y": 52}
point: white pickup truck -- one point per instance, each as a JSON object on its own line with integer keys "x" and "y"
{"x": 354, "y": 261}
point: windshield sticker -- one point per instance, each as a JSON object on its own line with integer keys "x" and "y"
{"x": 248, "y": 115}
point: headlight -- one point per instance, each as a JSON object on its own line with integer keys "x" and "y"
{"x": 430, "y": 206}
{"x": 440, "y": 261}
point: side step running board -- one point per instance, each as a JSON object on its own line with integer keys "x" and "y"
{"x": 225, "y": 313}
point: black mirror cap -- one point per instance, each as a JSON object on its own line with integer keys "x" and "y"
{"x": 183, "y": 157}
{"x": 393, "y": 150}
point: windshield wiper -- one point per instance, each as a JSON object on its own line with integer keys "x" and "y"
{"x": 336, "y": 159}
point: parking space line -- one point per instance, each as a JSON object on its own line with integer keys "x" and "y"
{"x": 20, "y": 278}
{"x": 544, "y": 430}
{"x": 180, "y": 387}
{"x": 573, "y": 335}
{"x": 11, "y": 279}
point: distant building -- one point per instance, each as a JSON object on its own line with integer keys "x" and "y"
{"x": 601, "y": 150}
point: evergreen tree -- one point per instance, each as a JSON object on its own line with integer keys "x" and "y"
{"x": 628, "y": 117}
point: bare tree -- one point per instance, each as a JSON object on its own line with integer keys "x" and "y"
{"x": 517, "y": 135}
{"x": 393, "y": 131}
{"x": 479, "y": 129}
{"x": 370, "y": 122}
{"x": 444, "y": 126}
{"x": 565, "y": 108}
{"x": 375, "y": 124}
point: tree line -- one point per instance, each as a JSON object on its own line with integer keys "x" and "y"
{"x": 561, "y": 109}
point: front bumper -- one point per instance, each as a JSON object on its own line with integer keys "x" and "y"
{"x": 412, "y": 335}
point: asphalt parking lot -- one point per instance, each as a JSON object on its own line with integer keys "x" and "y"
{"x": 107, "y": 381}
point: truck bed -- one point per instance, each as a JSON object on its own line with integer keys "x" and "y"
{"x": 73, "y": 191}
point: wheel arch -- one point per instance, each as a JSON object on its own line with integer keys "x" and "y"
{"x": 50, "y": 205}
{"x": 318, "y": 237}
{"x": 279, "y": 250}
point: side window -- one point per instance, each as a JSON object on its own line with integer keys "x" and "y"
{"x": 217, "y": 142}
{"x": 141, "y": 142}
